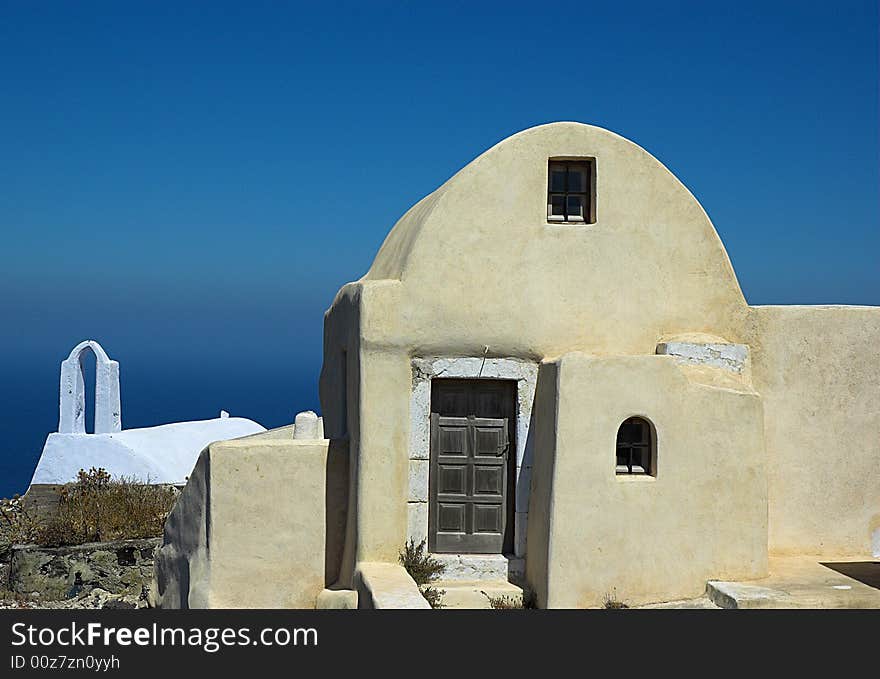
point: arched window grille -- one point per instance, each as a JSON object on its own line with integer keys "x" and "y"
{"x": 636, "y": 447}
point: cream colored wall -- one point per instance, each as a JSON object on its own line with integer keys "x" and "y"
{"x": 641, "y": 539}
{"x": 545, "y": 412}
{"x": 259, "y": 526}
{"x": 383, "y": 480}
{"x": 818, "y": 371}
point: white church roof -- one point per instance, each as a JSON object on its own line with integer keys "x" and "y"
{"x": 163, "y": 454}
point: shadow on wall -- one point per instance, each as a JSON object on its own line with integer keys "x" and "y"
{"x": 171, "y": 580}
{"x": 523, "y": 486}
{"x": 336, "y": 499}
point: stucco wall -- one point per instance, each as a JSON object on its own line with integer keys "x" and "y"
{"x": 643, "y": 538}
{"x": 386, "y": 378}
{"x": 818, "y": 370}
{"x": 544, "y": 415}
{"x": 259, "y": 525}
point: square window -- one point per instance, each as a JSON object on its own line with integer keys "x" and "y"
{"x": 570, "y": 196}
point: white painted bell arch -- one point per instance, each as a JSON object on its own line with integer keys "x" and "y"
{"x": 108, "y": 411}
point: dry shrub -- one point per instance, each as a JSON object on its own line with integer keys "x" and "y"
{"x": 420, "y": 565}
{"x": 610, "y": 601}
{"x": 423, "y": 569}
{"x": 96, "y": 508}
{"x": 507, "y": 602}
{"x": 18, "y": 526}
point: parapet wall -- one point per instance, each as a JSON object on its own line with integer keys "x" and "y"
{"x": 260, "y": 524}
{"x": 817, "y": 369}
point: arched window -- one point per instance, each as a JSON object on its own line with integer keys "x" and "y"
{"x": 636, "y": 447}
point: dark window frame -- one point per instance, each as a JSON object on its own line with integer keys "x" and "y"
{"x": 587, "y": 167}
{"x": 636, "y": 452}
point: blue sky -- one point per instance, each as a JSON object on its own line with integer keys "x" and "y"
{"x": 190, "y": 183}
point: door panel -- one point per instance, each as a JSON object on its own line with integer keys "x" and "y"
{"x": 470, "y": 508}
{"x": 452, "y": 479}
{"x": 488, "y": 519}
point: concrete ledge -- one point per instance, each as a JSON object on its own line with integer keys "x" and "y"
{"x": 731, "y": 357}
{"x": 386, "y": 585}
{"x": 796, "y": 582}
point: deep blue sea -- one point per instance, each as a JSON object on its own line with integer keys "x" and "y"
{"x": 153, "y": 392}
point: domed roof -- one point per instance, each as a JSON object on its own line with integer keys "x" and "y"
{"x": 479, "y": 255}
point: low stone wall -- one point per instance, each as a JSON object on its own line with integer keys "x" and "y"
{"x": 122, "y": 568}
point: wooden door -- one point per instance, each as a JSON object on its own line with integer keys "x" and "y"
{"x": 472, "y": 461}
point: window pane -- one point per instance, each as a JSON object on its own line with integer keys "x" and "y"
{"x": 557, "y": 206}
{"x": 577, "y": 180}
{"x": 638, "y": 457}
{"x": 557, "y": 178}
{"x": 575, "y": 207}
{"x": 633, "y": 431}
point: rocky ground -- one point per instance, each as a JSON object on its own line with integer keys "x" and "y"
{"x": 96, "y": 598}
{"x": 113, "y": 575}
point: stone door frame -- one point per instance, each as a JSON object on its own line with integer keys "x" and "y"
{"x": 424, "y": 369}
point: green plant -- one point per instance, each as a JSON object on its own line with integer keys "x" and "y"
{"x": 423, "y": 569}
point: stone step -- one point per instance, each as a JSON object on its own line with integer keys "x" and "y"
{"x": 482, "y": 567}
{"x": 479, "y": 593}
